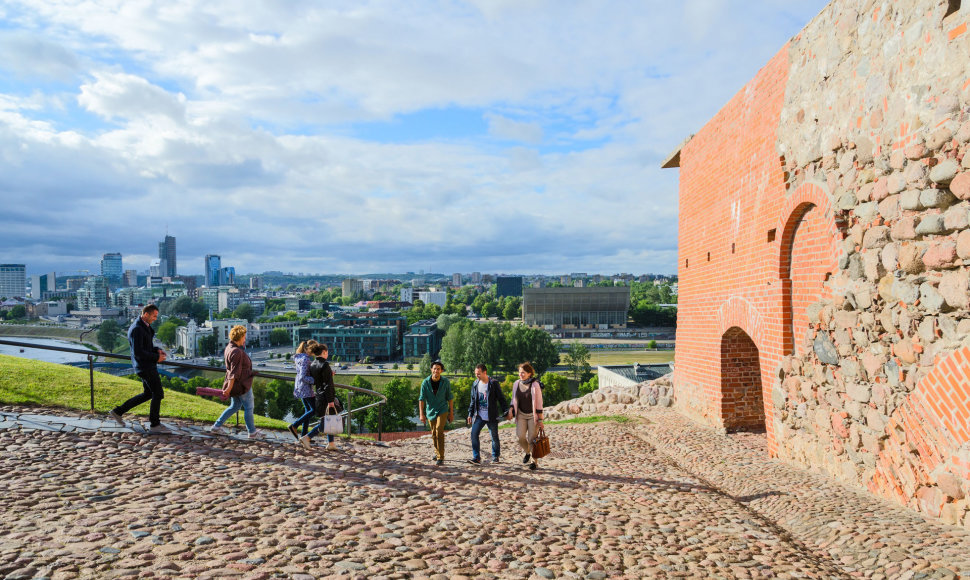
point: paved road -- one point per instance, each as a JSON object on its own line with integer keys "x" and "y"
{"x": 653, "y": 497}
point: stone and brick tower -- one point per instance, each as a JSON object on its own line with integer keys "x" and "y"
{"x": 824, "y": 253}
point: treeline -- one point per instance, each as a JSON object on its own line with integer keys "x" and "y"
{"x": 499, "y": 345}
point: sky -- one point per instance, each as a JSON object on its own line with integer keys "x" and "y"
{"x": 343, "y": 137}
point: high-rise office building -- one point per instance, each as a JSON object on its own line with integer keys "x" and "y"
{"x": 212, "y": 265}
{"x": 508, "y": 286}
{"x": 456, "y": 280}
{"x": 166, "y": 252}
{"x": 41, "y": 283}
{"x": 476, "y": 277}
{"x": 13, "y": 280}
{"x": 351, "y": 287}
{"x": 94, "y": 294}
{"x": 131, "y": 278}
{"x": 227, "y": 276}
{"x": 111, "y": 267}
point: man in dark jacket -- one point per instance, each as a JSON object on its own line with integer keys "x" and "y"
{"x": 145, "y": 357}
{"x": 487, "y": 404}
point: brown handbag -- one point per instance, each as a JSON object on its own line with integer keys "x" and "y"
{"x": 540, "y": 445}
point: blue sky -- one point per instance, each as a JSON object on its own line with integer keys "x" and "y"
{"x": 363, "y": 136}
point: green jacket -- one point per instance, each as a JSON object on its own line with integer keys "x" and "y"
{"x": 435, "y": 405}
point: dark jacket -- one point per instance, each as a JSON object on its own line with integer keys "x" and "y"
{"x": 144, "y": 354}
{"x": 497, "y": 405}
{"x": 323, "y": 384}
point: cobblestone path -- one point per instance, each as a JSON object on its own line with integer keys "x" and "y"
{"x": 653, "y": 497}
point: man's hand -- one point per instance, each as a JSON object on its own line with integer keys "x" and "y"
{"x": 161, "y": 355}
{"x": 423, "y": 419}
{"x": 451, "y": 417}
{"x": 468, "y": 421}
{"x": 509, "y": 415}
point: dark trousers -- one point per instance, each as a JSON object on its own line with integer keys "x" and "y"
{"x": 310, "y": 411}
{"x": 153, "y": 391}
{"x": 477, "y": 426}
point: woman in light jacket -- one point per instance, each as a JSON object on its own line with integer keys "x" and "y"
{"x": 303, "y": 388}
{"x": 527, "y": 406}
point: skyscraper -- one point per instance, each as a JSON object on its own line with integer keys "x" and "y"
{"x": 13, "y": 280}
{"x": 111, "y": 267}
{"x": 40, "y": 283}
{"x": 213, "y": 263}
{"x": 166, "y": 252}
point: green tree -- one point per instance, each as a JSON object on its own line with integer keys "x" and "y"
{"x": 577, "y": 359}
{"x": 402, "y": 404}
{"x": 166, "y": 331}
{"x": 18, "y": 312}
{"x": 109, "y": 335}
{"x": 512, "y": 309}
{"x": 361, "y": 400}
{"x": 207, "y": 345}
{"x": 523, "y": 344}
{"x": 461, "y": 389}
{"x": 589, "y": 386}
{"x": 244, "y": 311}
{"x": 555, "y": 389}
{"x": 424, "y": 367}
{"x": 279, "y": 336}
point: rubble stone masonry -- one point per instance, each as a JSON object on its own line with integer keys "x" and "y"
{"x": 824, "y": 253}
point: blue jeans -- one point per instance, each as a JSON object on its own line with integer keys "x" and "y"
{"x": 310, "y": 409}
{"x": 244, "y": 402}
{"x": 477, "y": 426}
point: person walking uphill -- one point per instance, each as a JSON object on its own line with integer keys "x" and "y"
{"x": 527, "y": 404}
{"x": 145, "y": 357}
{"x": 326, "y": 393}
{"x": 436, "y": 407}
{"x": 303, "y": 388}
{"x": 486, "y": 405}
{"x": 238, "y": 383}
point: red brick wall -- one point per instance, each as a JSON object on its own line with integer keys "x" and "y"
{"x": 741, "y": 391}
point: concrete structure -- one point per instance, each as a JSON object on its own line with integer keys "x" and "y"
{"x": 351, "y": 287}
{"x": 166, "y": 253}
{"x": 42, "y": 284}
{"x": 221, "y": 329}
{"x": 258, "y": 333}
{"x": 13, "y": 280}
{"x": 94, "y": 294}
{"x": 111, "y": 268}
{"x": 407, "y": 295}
{"x": 508, "y": 286}
{"x": 433, "y": 297}
{"x": 576, "y": 308}
{"x": 630, "y": 375}
{"x": 456, "y": 280}
{"x": 424, "y": 337}
{"x": 131, "y": 278}
{"x": 824, "y": 247}
{"x": 187, "y": 338}
{"x": 352, "y": 342}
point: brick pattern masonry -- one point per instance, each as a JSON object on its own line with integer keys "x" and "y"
{"x": 824, "y": 217}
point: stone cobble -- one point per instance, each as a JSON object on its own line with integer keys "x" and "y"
{"x": 656, "y": 496}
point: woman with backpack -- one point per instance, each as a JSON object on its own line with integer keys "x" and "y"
{"x": 326, "y": 393}
{"x": 527, "y": 406}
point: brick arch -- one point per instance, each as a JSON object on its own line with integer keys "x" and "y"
{"x": 807, "y": 254}
{"x": 928, "y": 438}
{"x": 739, "y": 312}
{"x": 742, "y": 395}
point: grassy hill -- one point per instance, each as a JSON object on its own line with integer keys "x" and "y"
{"x": 29, "y": 382}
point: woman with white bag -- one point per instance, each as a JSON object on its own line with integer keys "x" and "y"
{"x": 326, "y": 402}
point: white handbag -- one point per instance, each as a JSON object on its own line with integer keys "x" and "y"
{"x": 333, "y": 424}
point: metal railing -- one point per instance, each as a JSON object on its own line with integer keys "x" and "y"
{"x": 93, "y": 354}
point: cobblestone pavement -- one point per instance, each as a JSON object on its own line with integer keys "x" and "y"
{"x": 656, "y": 496}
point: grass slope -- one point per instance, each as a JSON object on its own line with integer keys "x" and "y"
{"x": 30, "y": 382}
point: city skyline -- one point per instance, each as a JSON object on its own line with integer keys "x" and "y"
{"x": 363, "y": 136}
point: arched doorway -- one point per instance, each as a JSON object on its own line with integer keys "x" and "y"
{"x": 742, "y": 404}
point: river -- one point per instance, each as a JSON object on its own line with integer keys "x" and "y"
{"x": 42, "y": 354}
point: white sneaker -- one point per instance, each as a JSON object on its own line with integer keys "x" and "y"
{"x": 305, "y": 442}
{"x": 215, "y": 430}
{"x": 255, "y": 435}
{"x": 114, "y": 415}
{"x": 159, "y": 430}
{"x": 331, "y": 446}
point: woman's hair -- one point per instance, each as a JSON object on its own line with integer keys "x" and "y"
{"x": 305, "y": 346}
{"x": 527, "y": 367}
{"x": 316, "y": 349}
{"x": 237, "y": 332}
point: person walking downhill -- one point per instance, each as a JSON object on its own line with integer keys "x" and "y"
{"x": 326, "y": 393}
{"x": 145, "y": 357}
{"x": 527, "y": 405}
{"x": 238, "y": 383}
{"x": 436, "y": 407}
{"x": 303, "y": 388}
{"x": 487, "y": 404}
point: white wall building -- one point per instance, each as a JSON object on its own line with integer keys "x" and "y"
{"x": 187, "y": 338}
{"x": 432, "y": 297}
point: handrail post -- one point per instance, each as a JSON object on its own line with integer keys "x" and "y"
{"x": 350, "y": 415}
{"x": 380, "y": 421}
{"x": 91, "y": 374}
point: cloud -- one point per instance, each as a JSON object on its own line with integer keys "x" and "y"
{"x": 254, "y": 130}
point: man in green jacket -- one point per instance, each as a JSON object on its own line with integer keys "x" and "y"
{"x": 436, "y": 407}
